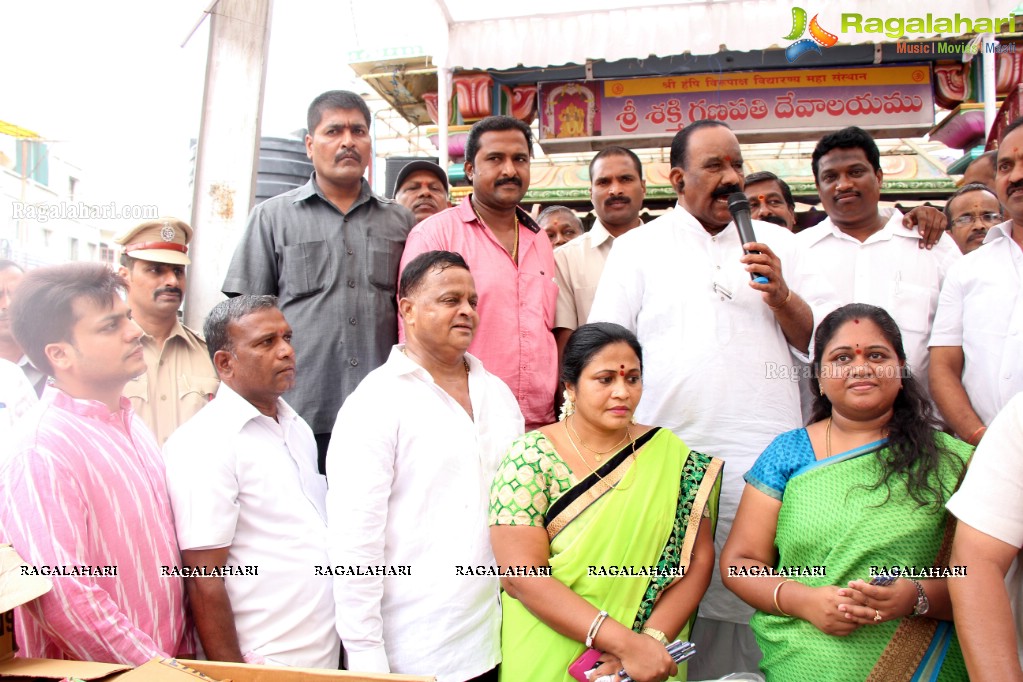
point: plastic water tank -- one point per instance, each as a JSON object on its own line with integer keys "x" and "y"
{"x": 283, "y": 165}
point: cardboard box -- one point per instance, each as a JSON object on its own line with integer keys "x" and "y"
{"x": 169, "y": 670}
{"x": 17, "y": 589}
{"x": 18, "y": 669}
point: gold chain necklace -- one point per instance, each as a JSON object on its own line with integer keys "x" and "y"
{"x": 515, "y": 249}
{"x": 595, "y": 452}
{"x": 580, "y": 454}
{"x": 827, "y": 435}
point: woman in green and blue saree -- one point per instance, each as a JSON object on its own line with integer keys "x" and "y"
{"x": 858, "y": 492}
{"x": 614, "y": 513}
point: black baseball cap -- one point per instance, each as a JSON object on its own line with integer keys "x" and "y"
{"x": 421, "y": 165}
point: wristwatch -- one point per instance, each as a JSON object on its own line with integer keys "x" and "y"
{"x": 656, "y": 634}
{"x": 923, "y": 605}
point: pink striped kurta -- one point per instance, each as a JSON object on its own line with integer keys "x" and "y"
{"x": 85, "y": 487}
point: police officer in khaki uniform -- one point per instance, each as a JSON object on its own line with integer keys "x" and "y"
{"x": 180, "y": 378}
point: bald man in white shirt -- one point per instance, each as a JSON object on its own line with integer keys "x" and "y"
{"x": 414, "y": 451}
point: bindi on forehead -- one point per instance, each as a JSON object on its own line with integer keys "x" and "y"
{"x": 761, "y": 198}
{"x": 621, "y": 371}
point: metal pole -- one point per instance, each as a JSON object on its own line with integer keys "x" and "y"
{"x": 988, "y": 71}
{"x": 227, "y": 154}
{"x": 443, "y": 97}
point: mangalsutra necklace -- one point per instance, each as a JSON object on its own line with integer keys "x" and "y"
{"x": 827, "y": 435}
{"x": 580, "y": 454}
{"x": 598, "y": 453}
{"x": 515, "y": 249}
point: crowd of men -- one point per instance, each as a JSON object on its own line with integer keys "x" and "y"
{"x": 347, "y": 404}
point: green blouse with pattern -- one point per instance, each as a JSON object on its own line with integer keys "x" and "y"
{"x": 532, "y": 476}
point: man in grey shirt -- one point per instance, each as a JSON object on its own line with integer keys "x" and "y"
{"x": 329, "y": 251}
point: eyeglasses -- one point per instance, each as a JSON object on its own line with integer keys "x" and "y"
{"x": 971, "y": 218}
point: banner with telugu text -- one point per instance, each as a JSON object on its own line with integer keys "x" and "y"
{"x": 875, "y": 97}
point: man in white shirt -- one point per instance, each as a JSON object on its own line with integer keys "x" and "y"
{"x": 10, "y": 275}
{"x": 16, "y": 398}
{"x": 719, "y": 350}
{"x": 561, "y": 224}
{"x": 870, "y": 254}
{"x": 971, "y": 211}
{"x": 247, "y": 496}
{"x": 988, "y": 604}
{"x": 770, "y": 199}
{"x": 415, "y": 449}
{"x": 617, "y": 190}
{"x": 977, "y": 341}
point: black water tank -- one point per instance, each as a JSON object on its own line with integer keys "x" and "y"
{"x": 283, "y": 165}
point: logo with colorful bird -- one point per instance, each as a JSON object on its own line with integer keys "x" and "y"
{"x": 818, "y": 36}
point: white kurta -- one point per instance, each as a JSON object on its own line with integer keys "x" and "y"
{"x": 410, "y": 476}
{"x": 989, "y": 498}
{"x": 239, "y": 479}
{"x": 889, "y": 270}
{"x": 717, "y": 369}
{"x": 981, "y": 310}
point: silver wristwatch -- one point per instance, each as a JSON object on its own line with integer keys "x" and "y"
{"x": 923, "y": 605}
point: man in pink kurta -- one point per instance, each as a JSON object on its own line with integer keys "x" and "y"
{"x": 512, "y": 263}
{"x": 84, "y": 495}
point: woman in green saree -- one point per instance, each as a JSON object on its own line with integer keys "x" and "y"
{"x": 618, "y": 512}
{"x": 860, "y": 490}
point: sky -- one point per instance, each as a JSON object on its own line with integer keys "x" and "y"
{"x": 110, "y": 84}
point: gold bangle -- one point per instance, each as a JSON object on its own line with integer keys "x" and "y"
{"x": 777, "y": 588}
{"x": 656, "y": 634}
{"x": 783, "y": 303}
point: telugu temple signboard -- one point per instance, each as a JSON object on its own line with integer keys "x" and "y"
{"x": 759, "y": 105}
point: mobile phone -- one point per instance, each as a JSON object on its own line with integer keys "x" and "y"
{"x": 883, "y": 579}
{"x": 678, "y": 650}
{"x": 585, "y": 663}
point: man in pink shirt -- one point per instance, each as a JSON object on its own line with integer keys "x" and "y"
{"x": 511, "y": 260}
{"x": 84, "y": 497}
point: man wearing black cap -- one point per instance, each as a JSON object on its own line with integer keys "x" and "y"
{"x": 179, "y": 378}
{"x": 422, "y": 187}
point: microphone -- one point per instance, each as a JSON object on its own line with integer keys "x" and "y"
{"x": 738, "y": 206}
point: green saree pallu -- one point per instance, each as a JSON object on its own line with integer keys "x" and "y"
{"x": 618, "y": 542}
{"x": 833, "y": 517}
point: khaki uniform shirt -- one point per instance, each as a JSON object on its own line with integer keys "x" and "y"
{"x": 178, "y": 381}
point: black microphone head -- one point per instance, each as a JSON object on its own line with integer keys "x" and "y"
{"x": 737, "y": 202}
